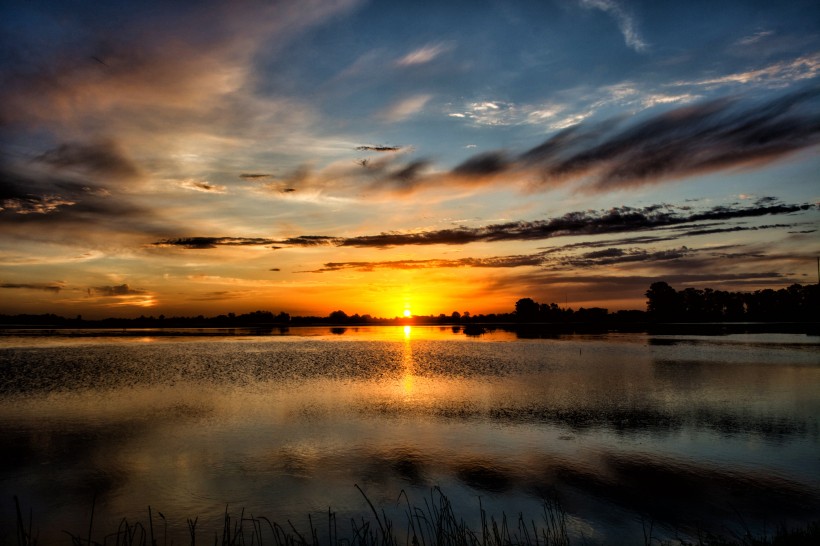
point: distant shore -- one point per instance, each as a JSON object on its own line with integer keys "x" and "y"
{"x": 522, "y": 330}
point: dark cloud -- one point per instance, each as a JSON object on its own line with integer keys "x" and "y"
{"x": 35, "y": 204}
{"x": 288, "y": 183}
{"x": 311, "y": 240}
{"x": 702, "y": 138}
{"x": 606, "y": 257}
{"x": 616, "y": 256}
{"x": 217, "y": 296}
{"x": 579, "y": 223}
{"x": 378, "y": 148}
{"x": 627, "y": 241}
{"x": 626, "y": 152}
{"x": 410, "y": 172}
{"x": 119, "y": 290}
{"x": 67, "y": 203}
{"x": 712, "y": 231}
{"x": 204, "y": 186}
{"x": 253, "y": 176}
{"x": 767, "y": 199}
{"x": 102, "y": 158}
{"x": 483, "y": 165}
{"x": 48, "y": 287}
{"x": 494, "y": 261}
{"x": 212, "y": 242}
{"x": 24, "y": 192}
{"x": 615, "y": 220}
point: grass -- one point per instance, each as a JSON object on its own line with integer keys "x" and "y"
{"x": 433, "y": 524}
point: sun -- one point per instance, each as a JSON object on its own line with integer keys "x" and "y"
{"x": 408, "y": 313}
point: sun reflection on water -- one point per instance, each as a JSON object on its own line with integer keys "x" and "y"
{"x": 408, "y": 378}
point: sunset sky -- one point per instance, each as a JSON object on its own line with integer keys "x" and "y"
{"x": 187, "y": 158}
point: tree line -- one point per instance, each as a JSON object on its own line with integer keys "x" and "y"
{"x": 796, "y": 303}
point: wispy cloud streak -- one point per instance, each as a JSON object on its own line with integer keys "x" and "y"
{"x": 212, "y": 242}
{"x": 697, "y": 139}
{"x": 48, "y": 287}
{"x": 616, "y": 220}
{"x": 616, "y": 154}
{"x": 579, "y": 223}
{"x": 626, "y": 23}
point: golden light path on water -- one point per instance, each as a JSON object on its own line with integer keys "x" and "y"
{"x": 284, "y": 425}
{"x": 408, "y": 368}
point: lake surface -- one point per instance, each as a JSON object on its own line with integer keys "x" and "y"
{"x": 683, "y": 432}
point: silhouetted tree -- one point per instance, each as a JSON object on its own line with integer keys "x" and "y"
{"x": 592, "y": 314}
{"x": 338, "y": 316}
{"x": 663, "y": 302}
{"x": 526, "y": 310}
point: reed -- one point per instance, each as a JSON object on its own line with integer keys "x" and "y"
{"x": 435, "y": 523}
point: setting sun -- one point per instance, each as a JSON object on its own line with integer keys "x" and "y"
{"x": 408, "y": 313}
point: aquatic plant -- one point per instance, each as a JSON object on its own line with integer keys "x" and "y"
{"x": 433, "y": 524}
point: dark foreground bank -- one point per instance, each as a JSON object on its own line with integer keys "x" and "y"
{"x": 435, "y": 522}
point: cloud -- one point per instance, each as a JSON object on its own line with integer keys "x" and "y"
{"x": 48, "y": 287}
{"x": 378, "y": 148}
{"x": 712, "y": 231}
{"x": 220, "y": 295}
{"x": 626, "y": 23}
{"x": 615, "y": 220}
{"x": 579, "y": 223}
{"x": 607, "y": 257}
{"x": 196, "y": 53}
{"x": 113, "y": 291}
{"x": 200, "y": 185}
{"x": 254, "y": 176}
{"x": 406, "y": 108}
{"x": 494, "y": 261}
{"x": 102, "y": 158}
{"x": 578, "y": 105}
{"x": 148, "y": 95}
{"x": 200, "y": 243}
{"x": 754, "y": 38}
{"x": 483, "y": 164}
{"x": 716, "y": 263}
{"x": 35, "y": 204}
{"x": 776, "y": 75}
{"x": 502, "y": 113}
{"x": 617, "y": 256}
{"x": 39, "y": 200}
{"x": 63, "y": 182}
{"x": 611, "y": 155}
{"x": 423, "y": 54}
{"x": 310, "y": 240}
{"x": 696, "y": 139}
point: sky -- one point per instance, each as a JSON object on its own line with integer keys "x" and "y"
{"x": 186, "y": 158}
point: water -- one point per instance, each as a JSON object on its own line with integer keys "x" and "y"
{"x": 686, "y": 432}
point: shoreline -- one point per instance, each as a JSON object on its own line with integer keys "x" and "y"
{"x": 522, "y": 330}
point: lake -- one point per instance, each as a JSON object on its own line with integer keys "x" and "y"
{"x": 683, "y": 433}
